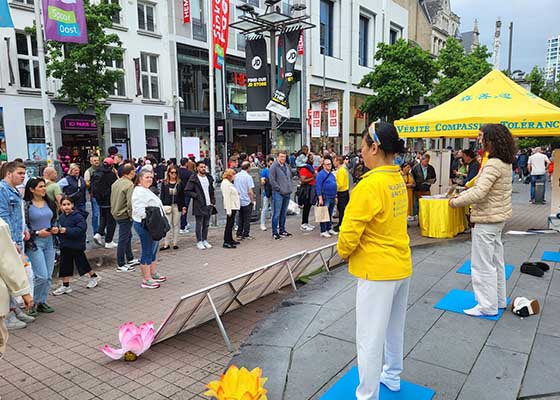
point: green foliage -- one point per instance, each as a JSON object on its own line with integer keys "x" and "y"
{"x": 404, "y": 74}
{"x": 81, "y": 68}
{"x": 458, "y": 71}
{"x": 536, "y": 80}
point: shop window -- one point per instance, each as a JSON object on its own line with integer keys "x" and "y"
{"x": 35, "y": 132}
{"x": 326, "y": 27}
{"x": 146, "y": 17}
{"x": 236, "y": 87}
{"x": 193, "y": 82}
{"x": 120, "y": 87}
{"x": 117, "y": 17}
{"x": 363, "y": 41}
{"x": 153, "y": 136}
{"x": 150, "y": 81}
{"x": 28, "y": 61}
{"x": 119, "y": 133}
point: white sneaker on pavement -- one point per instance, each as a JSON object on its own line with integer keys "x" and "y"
{"x": 200, "y": 246}
{"x": 62, "y": 290}
{"x": 99, "y": 240}
{"x": 111, "y": 245}
{"x": 332, "y": 232}
{"x": 13, "y": 323}
{"x": 206, "y": 244}
{"x": 125, "y": 268}
{"x": 92, "y": 282}
{"x": 325, "y": 234}
{"x": 23, "y": 317}
{"x": 310, "y": 227}
{"x": 303, "y": 227}
{"x": 263, "y": 227}
{"x": 133, "y": 262}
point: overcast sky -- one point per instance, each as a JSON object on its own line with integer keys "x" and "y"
{"x": 534, "y": 21}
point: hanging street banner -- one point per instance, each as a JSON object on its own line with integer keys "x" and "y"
{"x": 279, "y": 102}
{"x": 65, "y": 21}
{"x": 186, "y": 11}
{"x": 315, "y": 120}
{"x": 301, "y": 44}
{"x": 220, "y": 27}
{"x": 137, "y": 76}
{"x": 5, "y": 16}
{"x": 332, "y": 129}
{"x": 258, "y": 90}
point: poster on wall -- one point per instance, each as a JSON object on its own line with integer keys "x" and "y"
{"x": 65, "y": 21}
{"x": 37, "y": 151}
{"x": 333, "y": 119}
{"x": 279, "y": 103}
{"x": 191, "y": 147}
{"x": 220, "y": 28}
{"x": 258, "y": 91}
{"x": 316, "y": 120}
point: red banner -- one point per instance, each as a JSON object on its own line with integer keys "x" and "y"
{"x": 186, "y": 11}
{"x": 301, "y": 44}
{"x": 220, "y": 28}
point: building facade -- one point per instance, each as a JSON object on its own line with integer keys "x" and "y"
{"x": 139, "y": 118}
{"x": 445, "y": 23}
{"x": 419, "y": 23}
{"x": 552, "y": 71}
{"x": 471, "y": 39}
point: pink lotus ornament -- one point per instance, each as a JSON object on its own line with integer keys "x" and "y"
{"x": 135, "y": 340}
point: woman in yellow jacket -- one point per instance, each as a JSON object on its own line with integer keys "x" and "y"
{"x": 374, "y": 240}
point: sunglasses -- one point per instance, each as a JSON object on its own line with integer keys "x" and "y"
{"x": 173, "y": 172}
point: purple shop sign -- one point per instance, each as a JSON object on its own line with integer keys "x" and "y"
{"x": 79, "y": 123}
{"x": 65, "y": 21}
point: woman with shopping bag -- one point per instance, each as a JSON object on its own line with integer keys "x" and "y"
{"x": 375, "y": 242}
{"x": 326, "y": 194}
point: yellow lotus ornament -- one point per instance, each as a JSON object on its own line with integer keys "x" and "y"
{"x": 238, "y": 384}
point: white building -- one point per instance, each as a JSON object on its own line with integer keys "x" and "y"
{"x": 445, "y": 23}
{"x": 136, "y": 123}
{"x": 552, "y": 72}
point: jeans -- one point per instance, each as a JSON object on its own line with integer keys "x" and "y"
{"x": 149, "y": 246}
{"x": 202, "y": 224}
{"x": 534, "y": 180}
{"x": 42, "y": 262}
{"x": 343, "y": 199}
{"x": 94, "y": 215}
{"x": 265, "y": 209}
{"x": 184, "y": 221}
{"x": 106, "y": 220}
{"x": 280, "y": 204}
{"x": 124, "y": 249}
{"x": 244, "y": 226}
{"x": 329, "y": 203}
{"x": 228, "y": 232}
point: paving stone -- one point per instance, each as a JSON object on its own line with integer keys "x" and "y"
{"x": 314, "y": 363}
{"x": 345, "y": 301}
{"x": 550, "y": 317}
{"x": 445, "y": 382}
{"x": 514, "y": 333}
{"x": 422, "y": 314}
{"x": 543, "y": 369}
{"x": 344, "y": 328}
{"x": 496, "y": 375}
{"x": 316, "y": 293}
{"x": 324, "y": 319}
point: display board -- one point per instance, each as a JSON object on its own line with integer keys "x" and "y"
{"x": 191, "y": 147}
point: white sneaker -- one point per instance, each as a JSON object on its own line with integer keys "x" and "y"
{"x": 325, "y": 234}
{"x": 111, "y": 245}
{"x": 99, "y": 240}
{"x": 206, "y": 244}
{"x": 332, "y": 232}
{"x": 200, "y": 246}
{"x": 263, "y": 227}
{"x": 304, "y": 227}
{"x": 62, "y": 290}
{"x": 183, "y": 231}
{"x": 125, "y": 268}
{"x": 23, "y": 317}
{"x": 310, "y": 227}
{"x": 12, "y": 323}
{"x": 92, "y": 282}
{"x": 133, "y": 262}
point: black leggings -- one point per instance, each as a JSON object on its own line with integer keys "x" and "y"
{"x": 305, "y": 213}
{"x": 228, "y": 232}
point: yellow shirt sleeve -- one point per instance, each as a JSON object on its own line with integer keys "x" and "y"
{"x": 355, "y": 219}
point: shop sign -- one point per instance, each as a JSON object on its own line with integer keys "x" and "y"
{"x": 186, "y": 11}
{"x": 79, "y": 123}
{"x": 220, "y": 27}
{"x": 316, "y": 120}
{"x": 65, "y": 21}
{"x": 258, "y": 92}
{"x": 333, "y": 119}
{"x": 301, "y": 44}
{"x": 309, "y": 116}
{"x": 239, "y": 79}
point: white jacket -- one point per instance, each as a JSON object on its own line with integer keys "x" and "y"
{"x": 230, "y": 195}
{"x": 142, "y": 198}
{"x": 13, "y": 278}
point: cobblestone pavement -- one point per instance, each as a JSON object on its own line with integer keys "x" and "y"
{"x": 58, "y": 356}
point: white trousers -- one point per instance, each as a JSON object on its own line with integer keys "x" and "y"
{"x": 174, "y": 219}
{"x": 487, "y": 267}
{"x": 380, "y": 318}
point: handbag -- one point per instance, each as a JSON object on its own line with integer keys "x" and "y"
{"x": 321, "y": 214}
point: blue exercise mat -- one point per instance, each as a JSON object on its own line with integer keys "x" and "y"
{"x": 551, "y": 256}
{"x": 345, "y": 389}
{"x": 459, "y": 300}
{"x": 466, "y": 269}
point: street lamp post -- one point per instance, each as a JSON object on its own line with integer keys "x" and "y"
{"x": 271, "y": 22}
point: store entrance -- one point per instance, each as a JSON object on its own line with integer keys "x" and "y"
{"x": 80, "y": 145}
{"x": 248, "y": 141}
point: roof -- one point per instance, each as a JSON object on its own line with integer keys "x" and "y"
{"x": 493, "y": 99}
{"x": 467, "y": 39}
{"x": 433, "y": 6}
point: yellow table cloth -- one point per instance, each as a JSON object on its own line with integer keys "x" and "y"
{"x": 438, "y": 220}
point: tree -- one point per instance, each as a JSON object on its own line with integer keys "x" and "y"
{"x": 82, "y": 68}
{"x": 458, "y": 71}
{"x": 404, "y": 74}
{"x": 536, "y": 80}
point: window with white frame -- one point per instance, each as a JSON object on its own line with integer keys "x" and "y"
{"x": 117, "y": 17}
{"x": 326, "y": 27}
{"x": 28, "y": 61}
{"x": 147, "y": 17}
{"x": 26, "y": 2}
{"x": 149, "y": 70}
{"x": 363, "y": 43}
{"x": 120, "y": 87}
{"x": 395, "y": 33}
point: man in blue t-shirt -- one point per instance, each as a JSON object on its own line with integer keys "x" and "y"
{"x": 266, "y": 191}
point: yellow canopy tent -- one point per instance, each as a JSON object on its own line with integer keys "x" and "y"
{"x": 493, "y": 99}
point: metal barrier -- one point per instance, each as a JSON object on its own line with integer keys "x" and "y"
{"x": 212, "y": 302}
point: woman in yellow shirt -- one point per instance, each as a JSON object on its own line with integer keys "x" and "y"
{"x": 374, "y": 240}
